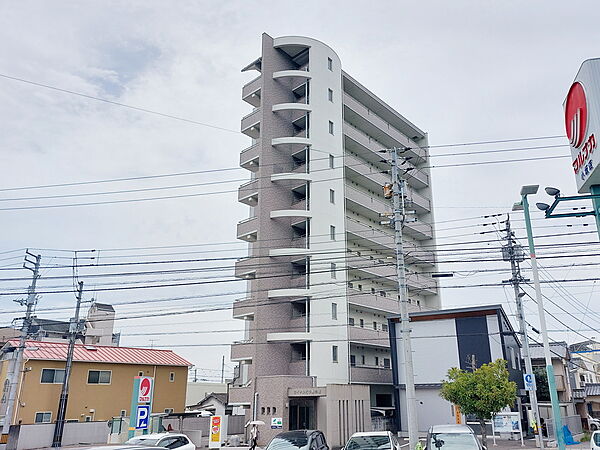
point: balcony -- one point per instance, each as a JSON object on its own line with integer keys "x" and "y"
{"x": 366, "y": 204}
{"x": 297, "y": 246}
{"x": 373, "y": 302}
{"x": 359, "y": 171}
{"x": 414, "y": 254}
{"x": 370, "y": 375}
{"x": 246, "y": 268}
{"x": 251, "y": 92}
{"x": 370, "y": 237}
{"x": 417, "y": 202}
{"x": 292, "y": 107}
{"x": 368, "y": 336}
{"x": 421, "y": 285}
{"x": 242, "y": 351}
{"x": 292, "y": 141}
{"x": 249, "y": 157}
{"x": 303, "y": 74}
{"x": 244, "y": 308}
{"x": 248, "y": 193}
{"x": 247, "y": 229}
{"x": 299, "y": 324}
{"x": 358, "y": 114}
{"x": 241, "y": 395}
{"x": 251, "y": 124}
{"x": 374, "y": 268}
{"x": 368, "y": 148}
{"x": 298, "y": 292}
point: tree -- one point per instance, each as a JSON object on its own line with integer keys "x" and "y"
{"x": 541, "y": 382}
{"x": 482, "y": 392}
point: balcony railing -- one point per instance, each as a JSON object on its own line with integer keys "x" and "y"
{"x": 370, "y": 375}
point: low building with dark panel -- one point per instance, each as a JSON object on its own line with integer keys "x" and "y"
{"x": 461, "y": 337}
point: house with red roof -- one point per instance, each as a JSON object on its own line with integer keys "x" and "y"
{"x": 101, "y": 380}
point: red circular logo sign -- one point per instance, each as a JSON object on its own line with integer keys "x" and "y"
{"x": 145, "y": 387}
{"x": 576, "y": 115}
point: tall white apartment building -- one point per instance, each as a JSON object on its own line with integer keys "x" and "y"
{"x": 321, "y": 268}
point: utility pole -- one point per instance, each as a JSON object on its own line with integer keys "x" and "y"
{"x": 223, "y": 369}
{"x": 515, "y": 254}
{"x": 74, "y": 331}
{"x": 18, "y": 353}
{"x": 399, "y": 217}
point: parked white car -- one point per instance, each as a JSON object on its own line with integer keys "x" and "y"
{"x": 595, "y": 440}
{"x": 166, "y": 440}
{"x": 593, "y": 424}
{"x": 372, "y": 440}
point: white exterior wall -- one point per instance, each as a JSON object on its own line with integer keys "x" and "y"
{"x": 326, "y": 332}
{"x": 434, "y": 347}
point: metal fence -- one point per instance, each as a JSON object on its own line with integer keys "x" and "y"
{"x": 573, "y": 422}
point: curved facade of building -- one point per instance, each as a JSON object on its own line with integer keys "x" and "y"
{"x": 320, "y": 270}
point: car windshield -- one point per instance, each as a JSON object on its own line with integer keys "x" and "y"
{"x": 288, "y": 443}
{"x": 597, "y": 438}
{"x": 368, "y": 443}
{"x": 146, "y": 442}
{"x": 453, "y": 441}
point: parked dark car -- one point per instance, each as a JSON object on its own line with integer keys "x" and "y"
{"x": 299, "y": 440}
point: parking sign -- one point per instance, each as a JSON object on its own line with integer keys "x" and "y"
{"x": 142, "y": 417}
{"x": 529, "y": 380}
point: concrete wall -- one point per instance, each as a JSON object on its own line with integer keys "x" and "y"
{"x": 23, "y": 437}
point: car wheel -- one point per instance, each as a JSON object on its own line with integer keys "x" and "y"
{"x": 593, "y": 427}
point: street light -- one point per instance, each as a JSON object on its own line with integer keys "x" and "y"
{"x": 552, "y": 191}
{"x": 524, "y": 206}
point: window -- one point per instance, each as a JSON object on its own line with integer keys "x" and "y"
{"x": 123, "y": 413}
{"x": 360, "y": 287}
{"x": 377, "y": 360}
{"x": 351, "y": 321}
{"x": 262, "y": 410}
{"x": 88, "y": 418}
{"x": 274, "y": 410}
{"x": 350, "y": 285}
{"x": 331, "y": 196}
{"x": 386, "y": 363}
{"x": 172, "y": 376}
{"x": 361, "y": 323}
{"x": 334, "y": 353}
{"x": 330, "y": 64}
{"x": 140, "y": 374}
{"x": 331, "y": 161}
{"x": 375, "y": 325}
{"x": 334, "y": 311}
{"x": 333, "y": 270}
{"x": 384, "y": 327}
{"x": 99, "y": 376}
{"x": 330, "y": 95}
{"x": 330, "y": 127}
{"x": 362, "y": 359}
{"x": 372, "y": 290}
{"x": 43, "y": 417}
{"x": 332, "y": 232}
{"x": 352, "y": 360}
{"x": 52, "y": 375}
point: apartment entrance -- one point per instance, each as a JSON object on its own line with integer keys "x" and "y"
{"x": 303, "y": 414}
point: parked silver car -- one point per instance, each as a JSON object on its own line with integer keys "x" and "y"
{"x": 452, "y": 437}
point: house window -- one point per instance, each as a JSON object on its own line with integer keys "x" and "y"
{"x": 362, "y": 359}
{"x": 274, "y": 410}
{"x": 377, "y": 360}
{"x": 334, "y": 353}
{"x": 375, "y": 325}
{"x": 99, "y": 376}
{"x": 386, "y": 363}
{"x": 351, "y": 321}
{"x": 332, "y": 232}
{"x": 330, "y": 64}
{"x": 172, "y": 376}
{"x": 360, "y": 287}
{"x": 352, "y": 360}
{"x": 123, "y": 413}
{"x": 43, "y": 417}
{"x": 384, "y": 327}
{"x": 331, "y": 161}
{"x": 330, "y": 127}
{"x": 372, "y": 290}
{"x": 334, "y": 311}
{"x": 52, "y": 376}
{"x": 361, "y": 323}
{"x": 331, "y": 196}
{"x": 263, "y": 410}
{"x": 330, "y": 94}
{"x": 333, "y": 270}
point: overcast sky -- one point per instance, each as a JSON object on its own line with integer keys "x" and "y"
{"x": 464, "y": 71}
